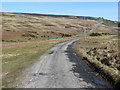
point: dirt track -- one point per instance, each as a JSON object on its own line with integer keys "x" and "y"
{"x": 61, "y": 68}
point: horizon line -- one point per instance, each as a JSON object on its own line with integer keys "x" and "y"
{"x": 54, "y": 14}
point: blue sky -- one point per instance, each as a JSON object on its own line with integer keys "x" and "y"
{"x": 108, "y": 10}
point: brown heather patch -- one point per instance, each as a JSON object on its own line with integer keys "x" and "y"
{"x": 21, "y": 44}
{"x": 102, "y": 54}
{"x": 6, "y": 35}
{"x": 25, "y": 27}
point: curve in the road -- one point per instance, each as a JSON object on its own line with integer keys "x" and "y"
{"x": 60, "y": 67}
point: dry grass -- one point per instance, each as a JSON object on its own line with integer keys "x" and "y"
{"x": 19, "y": 56}
{"x": 102, "y": 53}
{"x": 25, "y": 38}
{"x": 22, "y": 27}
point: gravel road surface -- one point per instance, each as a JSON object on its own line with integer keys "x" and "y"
{"x": 60, "y": 67}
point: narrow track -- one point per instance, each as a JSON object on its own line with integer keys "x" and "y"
{"x": 61, "y": 68}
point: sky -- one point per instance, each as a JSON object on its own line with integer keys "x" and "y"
{"x": 107, "y": 10}
{"x": 60, "y": 0}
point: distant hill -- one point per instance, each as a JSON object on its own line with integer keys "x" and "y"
{"x": 29, "y": 26}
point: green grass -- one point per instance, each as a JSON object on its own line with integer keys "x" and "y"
{"x": 110, "y": 23}
{"x": 15, "y": 66}
{"x": 22, "y": 49}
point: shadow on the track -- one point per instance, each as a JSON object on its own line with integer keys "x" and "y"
{"x": 83, "y": 72}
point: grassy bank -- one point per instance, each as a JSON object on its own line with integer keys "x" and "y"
{"x": 101, "y": 53}
{"x": 19, "y": 56}
{"x": 14, "y": 66}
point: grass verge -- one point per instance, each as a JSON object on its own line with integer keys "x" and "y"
{"x": 13, "y": 66}
{"x": 108, "y": 72}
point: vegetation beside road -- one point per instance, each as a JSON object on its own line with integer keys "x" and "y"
{"x": 19, "y": 56}
{"x": 102, "y": 53}
{"x": 27, "y": 36}
{"x": 110, "y": 23}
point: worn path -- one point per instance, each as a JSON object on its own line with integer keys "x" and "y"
{"x": 61, "y": 68}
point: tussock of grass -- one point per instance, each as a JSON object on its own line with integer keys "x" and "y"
{"x": 106, "y": 72}
{"x": 109, "y": 73}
